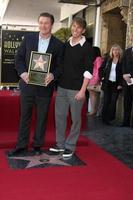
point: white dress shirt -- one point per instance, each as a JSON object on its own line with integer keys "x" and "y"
{"x": 43, "y": 44}
{"x": 112, "y": 76}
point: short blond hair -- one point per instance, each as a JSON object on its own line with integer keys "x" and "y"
{"x": 118, "y": 47}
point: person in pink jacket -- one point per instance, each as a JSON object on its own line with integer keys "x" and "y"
{"x": 94, "y": 84}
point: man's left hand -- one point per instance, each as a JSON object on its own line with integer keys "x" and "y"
{"x": 49, "y": 78}
{"x": 80, "y": 95}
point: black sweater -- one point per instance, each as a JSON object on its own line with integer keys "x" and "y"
{"x": 77, "y": 60}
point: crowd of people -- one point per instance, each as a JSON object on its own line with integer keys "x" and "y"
{"x": 112, "y": 75}
{"x": 75, "y": 66}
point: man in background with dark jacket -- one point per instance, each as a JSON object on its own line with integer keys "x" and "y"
{"x": 128, "y": 86}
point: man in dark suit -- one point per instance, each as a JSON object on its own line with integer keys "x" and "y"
{"x": 128, "y": 86}
{"x": 32, "y": 95}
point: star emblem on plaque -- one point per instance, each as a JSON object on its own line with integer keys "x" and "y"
{"x": 40, "y": 64}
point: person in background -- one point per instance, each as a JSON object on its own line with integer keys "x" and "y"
{"x": 90, "y": 42}
{"x": 76, "y": 72}
{"x": 101, "y": 70}
{"x": 127, "y": 64}
{"x": 33, "y": 95}
{"x": 111, "y": 83}
{"x": 94, "y": 83}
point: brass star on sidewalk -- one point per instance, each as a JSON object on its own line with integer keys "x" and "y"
{"x": 42, "y": 160}
{"x": 39, "y": 63}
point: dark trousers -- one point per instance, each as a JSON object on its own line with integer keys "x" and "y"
{"x": 27, "y": 104}
{"x": 109, "y": 103}
{"x": 128, "y": 100}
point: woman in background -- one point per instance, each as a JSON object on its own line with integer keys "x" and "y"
{"x": 111, "y": 83}
{"x": 94, "y": 84}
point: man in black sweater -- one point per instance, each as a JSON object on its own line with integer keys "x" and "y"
{"x": 74, "y": 78}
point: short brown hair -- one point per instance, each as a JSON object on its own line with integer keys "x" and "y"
{"x": 80, "y": 21}
{"x": 45, "y": 14}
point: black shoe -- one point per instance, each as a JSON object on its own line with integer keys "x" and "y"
{"x": 17, "y": 152}
{"x": 37, "y": 151}
{"x": 67, "y": 153}
{"x": 56, "y": 149}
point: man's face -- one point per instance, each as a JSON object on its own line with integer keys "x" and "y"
{"x": 76, "y": 30}
{"x": 45, "y": 25}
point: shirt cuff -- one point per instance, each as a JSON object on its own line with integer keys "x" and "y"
{"x": 87, "y": 75}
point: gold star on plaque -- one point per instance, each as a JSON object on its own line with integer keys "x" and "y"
{"x": 39, "y": 63}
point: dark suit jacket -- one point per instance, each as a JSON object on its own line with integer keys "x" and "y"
{"x": 127, "y": 62}
{"x": 22, "y": 58}
{"x": 105, "y": 72}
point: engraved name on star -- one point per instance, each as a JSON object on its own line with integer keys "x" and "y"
{"x": 41, "y": 160}
{"x": 39, "y": 63}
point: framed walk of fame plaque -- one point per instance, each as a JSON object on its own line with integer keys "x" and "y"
{"x": 39, "y": 67}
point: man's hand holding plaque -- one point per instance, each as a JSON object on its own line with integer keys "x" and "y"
{"x": 25, "y": 77}
{"x": 49, "y": 78}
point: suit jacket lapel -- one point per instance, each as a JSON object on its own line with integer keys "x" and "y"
{"x": 35, "y": 40}
{"x": 118, "y": 67}
{"x": 110, "y": 65}
{"x": 50, "y": 46}
{"x": 108, "y": 69}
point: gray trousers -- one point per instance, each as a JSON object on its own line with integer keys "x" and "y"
{"x": 65, "y": 99}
